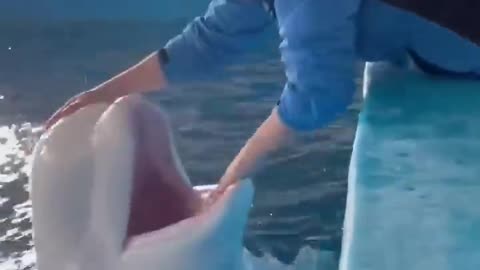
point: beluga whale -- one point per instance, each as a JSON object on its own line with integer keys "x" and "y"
{"x": 109, "y": 192}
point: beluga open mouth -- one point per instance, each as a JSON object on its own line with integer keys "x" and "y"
{"x": 109, "y": 192}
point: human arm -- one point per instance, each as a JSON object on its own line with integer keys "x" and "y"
{"x": 318, "y": 52}
{"x": 207, "y": 44}
{"x": 143, "y": 77}
{"x": 270, "y": 136}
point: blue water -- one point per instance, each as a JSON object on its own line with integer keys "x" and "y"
{"x": 301, "y": 193}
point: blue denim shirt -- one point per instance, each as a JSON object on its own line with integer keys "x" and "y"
{"x": 320, "y": 43}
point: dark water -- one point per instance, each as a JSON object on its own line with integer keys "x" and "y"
{"x": 300, "y": 194}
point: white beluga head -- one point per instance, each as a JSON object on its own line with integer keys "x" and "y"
{"x": 108, "y": 192}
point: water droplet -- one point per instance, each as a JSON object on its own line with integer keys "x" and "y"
{"x": 2, "y": 97}
{"x": 409, "y": 188}
{"x": 9, "y": 48}
{"x": 271, "y": 214}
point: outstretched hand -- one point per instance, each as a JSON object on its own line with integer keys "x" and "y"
{"x": 143, "y": 77}
{"x": 269, "y": 136}
{"x": 224, "y": 183}
{"x": 79, "y": 101}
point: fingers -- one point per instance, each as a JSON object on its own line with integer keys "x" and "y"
{"x": 212, "y": 197}
{"x": 54, "y": 118}
{"x": 70, "y": 107}
{"x": 79, "y": 101}
{"x": 64, "y": 113}
{"x": 215, "y": 194}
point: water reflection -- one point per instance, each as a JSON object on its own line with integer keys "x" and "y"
{"x": 15, "y": 207}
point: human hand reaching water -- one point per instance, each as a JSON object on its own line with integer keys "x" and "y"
{"x": 146, "y": 76}
{"x": 98, "y": 95}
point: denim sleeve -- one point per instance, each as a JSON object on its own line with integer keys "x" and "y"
{"x": 318, "y": 52}
{"x": 219, "y": 37}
